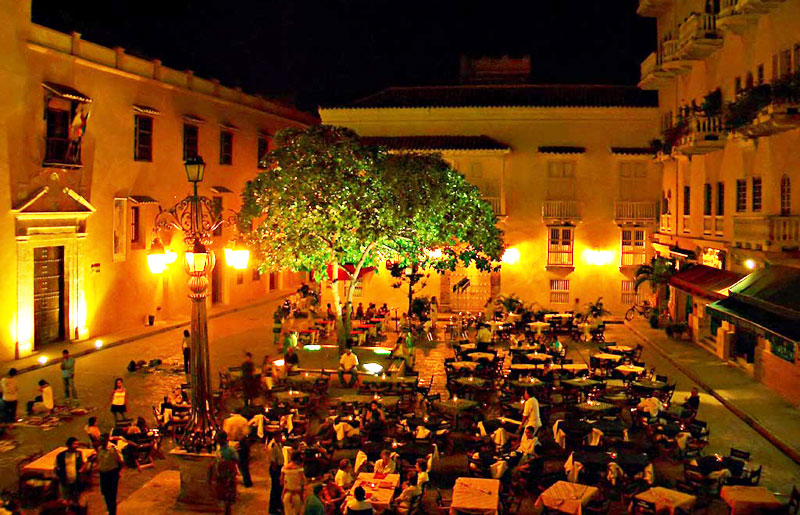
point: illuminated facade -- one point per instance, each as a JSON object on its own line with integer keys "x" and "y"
{"x": 567, "y": 169}
{"x": 729, "y": 96}
{"x": 93, "y": 143}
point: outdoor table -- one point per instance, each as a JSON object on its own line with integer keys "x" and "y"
{"x": 372, "y": 329}
{"x": 456, "y": 406}
{"x": 629, "y": 369}
{"x": 360, "y": 336}
{"x": 475, "y": 496}
{"x": 586, "y": 328}
{"x": 414, "y": 450}
{"x": 477, "y": 356}
{"x": 667, "y": 500}
{"x": 496, "y": 326}
{"x": 539, "y": 327}
{"x": 748, "y": 499}
{"x": 526, "y": 382}
{"x": 648, "y": 384}
{"x": 356, "y": 398}
{"x": 469, "y": 365}
{"x": 619, "y": 349}
{"x": 471, "y": 382}
{"x": 572, "y": 368}
{"x": 582, "y": 384}
{"x": 632, "y": 463}
{"x": 45, "y": 466}
{"x": 378, "y": 487}
{"x": 304, "y": 380}
{"x": 596, "y": 407}
{"x": 390, "y": 380}
{"x": 468, "y": 347}
{"x": 525, "y": 367}
{"x": 558, "y": 315}
{"x": 539, "y": 357}
{"x": 311, "y": 335}
{"x": 604, "y": 356}
{"x": 514, "y": 318}
{"x": 378, "y": 322}
{"x": 609, "y": 427}
{"x": 525, "y": 347}
{"x": 291, "y": 396}
{"x": 567, "y": 497}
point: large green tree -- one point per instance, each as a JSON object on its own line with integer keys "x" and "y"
{"x": 326, "y": 200}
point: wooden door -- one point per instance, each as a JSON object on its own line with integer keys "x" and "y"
{"x": 473, "y": 298}
{"x": 216, "y": 284}
{"x": 48, "y": 295}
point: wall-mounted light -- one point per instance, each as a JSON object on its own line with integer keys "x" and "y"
{"x": 42, "y": 360}
{"x": 157, "y": 257}
{"x": 98, "y": 344}
{"x": 237, "y": 255}
{"x": 511, "y": 256}
{"x": 750, "y": 264}
{"x": 598, "y": 257}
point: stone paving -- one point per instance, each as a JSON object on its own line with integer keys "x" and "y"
{"x": 249, "y": 329}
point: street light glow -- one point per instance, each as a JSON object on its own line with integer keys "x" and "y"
{"x": 42, "y": 360}
{"x": 511, "y": 256}
{"x": 750, "y": 264}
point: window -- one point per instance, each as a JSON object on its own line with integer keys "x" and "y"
{"x": 256, "y": 275}
{"x": 559, "y": 291}
{"x": 629, "y": 294}
{"x": 797, "y": 59}
{"x": 786, "y": 62}
{"x": 632, "y": 177}
{"x": 687, "y": 194}
{"x": 707, "y": 199}
{"x": 560, "y": 180}
{"x": 774, "y": 67}
{"x": 142, "y": 138}
{"x": 263, "y": 148}
{"x": 786, "y": 195}
{"x": 216, "y": 206}
{"x": 741, "y": 195}
{"x": 240, "y": 277}
{"x": 559, "y": 246}
{"x": 720, "y": 198}
{"x": 134, "y": 224}
{"x": 190, "y": 139}
{"x": 57, "y": 132}
{"x": 760, "y": 74}
{"x": 225, "y": 148}
{"x": 756, "y": 201}
{"x": 633, "y": 248}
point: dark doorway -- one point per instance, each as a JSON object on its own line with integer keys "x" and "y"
{"x": 745, "y": 347}
{"x": 216, "y": 285}
{"x": 273, "y": 281}
{"x": 48, "y": 295}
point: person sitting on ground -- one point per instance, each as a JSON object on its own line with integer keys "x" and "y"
{"x": 385, "y": 465}
{"x": 344, "y": 475}
{"x": 93, "y": 430}
{"x": 410, "y": 490}
{"x": 358, "y": 503}
{"x": 348, "y": 364}
{"x": 42, "y": 403}
{"x": 332, "y": 495}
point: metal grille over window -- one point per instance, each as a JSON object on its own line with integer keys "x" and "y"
{"x": 559, "y": 291}
{"x": 629, "y": 294}
{"x": 633, "y": 247}
{"x": 559, "y": 246}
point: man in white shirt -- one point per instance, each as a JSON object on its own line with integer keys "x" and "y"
{"x": 10, "y": 388}
{"x": 347, "y": 365}
{"x": 43, "y": 403}
{"x": 528, "y": 442}
{"x": 483, "y": 338}
{"x": 358, "y": 503}
{"x": 530, "y": 411}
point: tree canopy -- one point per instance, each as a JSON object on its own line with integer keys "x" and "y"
{"x": 326, "y": 200}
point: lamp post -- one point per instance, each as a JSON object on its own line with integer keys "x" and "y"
{"x": 197, "y": 219}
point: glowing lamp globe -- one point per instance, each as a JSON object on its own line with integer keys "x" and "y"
{"x": 237, "y": 256}
{"x": 157, "y": 257}
{"x": 195, "y": 169}
{"x": 198, "y": 260}
{"x": 511, "y": 256}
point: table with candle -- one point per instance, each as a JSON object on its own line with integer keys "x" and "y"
{"x": 460, "y": 365}
{"x": 586, "y": 329}
{"x": 525, "y": 382}
{"x": 303, "y": 380}
{"x": 630, "y": 370}
{"x": 45, "y": 466}
{"x": 632, "y": 463}
{"x": 466, "y": 347}
{"x": 570, "y": 368}
{"x": 619, "y": 349}
{"x": 648, "y": 384}
{"x": 455, "y": 407}
{"x": 477, "y": 356}
{"x": 582, "y": 383}
{"x": 539, "y": 327}
{"x": 364, "y": 399}
{"x": 291, "y": 396}
{"x": 383, "y": 379}
{"x": 475, "y": 495}
{"x": 596, "y": 407}
{"x": 668, "y": 500}
{"x": 605, "y": 356}
{"x": 471, "y": 382}
{"x": 378, "y": 487}
{"x": 567, "y": 497}
{"x": 539, "y": 357}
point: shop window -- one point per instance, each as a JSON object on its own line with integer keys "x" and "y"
{"x": 559, "y": 291}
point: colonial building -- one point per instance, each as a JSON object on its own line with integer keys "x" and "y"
{"x": 92, "y": 144}
{"x": 567, "y": 169}
{"x": 729, "y": 97}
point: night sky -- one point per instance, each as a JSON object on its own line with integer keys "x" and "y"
{"x": 331, "y": 52}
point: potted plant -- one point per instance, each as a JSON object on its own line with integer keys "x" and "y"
{"x": 508, "y": 303}
{"x": 595, "y": 310}
{"x": 657, "y": 274}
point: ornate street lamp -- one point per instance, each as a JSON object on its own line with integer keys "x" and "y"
{"x": 197, "y": 219}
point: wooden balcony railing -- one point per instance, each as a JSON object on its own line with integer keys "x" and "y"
{"x": 635, "y": 212}
{"x": 561, "y": 210}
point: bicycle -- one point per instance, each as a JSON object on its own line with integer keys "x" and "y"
{"x": 645, "y": 310}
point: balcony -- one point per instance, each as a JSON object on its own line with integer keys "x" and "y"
{"x": 62, "y": 153}
{"x": 713, "y": 225}
{"x": 686, "y": 222}
{"x": 699, "y": 36}
{"x": 632, "y": 258}
{"x": 554, "y": 211}
{"x": 733, "y": 18}
{"x": 672, "y": 59}
{"x": 778, "y": 116}
{"x": 767, "y": 232}
{"x": 497, "y": 205}
{"x": 703, "y": 134}
{"x": 759, "y": 6}
{"x": 653, "y": 75}
{"x": 652, "y": 8}
{"x": 627, "y": 212}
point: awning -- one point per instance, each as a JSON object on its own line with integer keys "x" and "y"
{"x": 142, "y": 199}
{"x": 66, "y": 92}
{"x": 756, "y": 320}
{"x": 229, "y": 126}
{"x": 775, "y": 289}
{"x": 193, "y": 118}
{"x": 146, "y": 109}
{"x": 709, "y": 282}
{"x": 220, "y": 189}
{"x": 562, "y": 150}
{"x": 633, "y": 151}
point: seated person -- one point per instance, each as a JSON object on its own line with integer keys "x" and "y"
{"x": 358, "y": 504}
{"x": 332, "y": 495}
{"x": 692, "y": 402}
{"x": 348, "y": 364}
{"x": 421, "y": 469}
{"x": 93, "y": 430}
{"x": 344, "y": 475}
{"x": 348, "y": 432}
{"x": 651, "y": 406}
{"x": 291, "y": 360}
{"x": 383, "y": 311}
{"x": 528, "y": 442}
{"x": 42, "y": 403}
{"x": 385, "y": 465}
{"x": 326, "y": 434}
{"x": 138, "y": 430}
{"x": 370, "y": 313}
{"x": 410, "y": 490}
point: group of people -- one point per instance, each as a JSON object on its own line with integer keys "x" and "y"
{"x": 358, "y": 312}
{"x": 44, "y": 400}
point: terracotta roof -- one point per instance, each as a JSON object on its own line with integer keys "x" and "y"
{"x": 551, "y": 95}
{"x": 435, "y": 142}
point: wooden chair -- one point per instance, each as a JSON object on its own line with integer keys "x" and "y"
{"x": 642, "y": 507}
{"x": 739, "y": 454}
{"x": 793, "y": 508}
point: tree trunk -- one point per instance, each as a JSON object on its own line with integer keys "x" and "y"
{"x": 351, "y": 288}
{"x": 337, "y": 304}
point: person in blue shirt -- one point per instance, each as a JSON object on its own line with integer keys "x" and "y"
{"x": 314, "y": 504}
{"x": 68, "y": 376}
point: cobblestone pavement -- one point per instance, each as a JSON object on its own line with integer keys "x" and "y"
{"x": 249, "y": 329}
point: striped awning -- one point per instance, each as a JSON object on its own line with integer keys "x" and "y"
{"x": 705, "y": 281}
{"x": 66, "y": 92}
{"x": 562, "y": 150}
{"x": 146, "y": 109}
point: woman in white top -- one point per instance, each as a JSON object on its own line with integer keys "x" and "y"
{"x": 119, "y": 400}
{"x": 344, "y": 476}
{"x": 385, "y": 465}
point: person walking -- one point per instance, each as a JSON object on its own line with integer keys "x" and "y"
{"x": 274, "y": 454}
{"x": 119, "y": 400}
{"x": 244, "y": 460}
{"x": 293, "y": 479}
{"x": 227, "y": 458}
{"x": 186, "y": 347}
{"x": 68, "y": 377}
{"x": 530, "y": 412}
{"x": 10, "y": 387}
{"x": 69, "y": 467}
{"x": 109, "y": 464}
{"x": 249, "y": 383}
